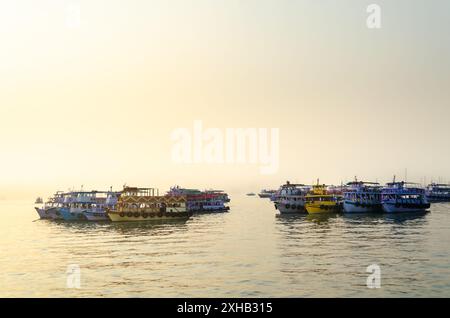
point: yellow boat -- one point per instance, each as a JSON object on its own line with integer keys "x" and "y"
{"x": 319, "y": 201}
{"x": 141, "y": 204}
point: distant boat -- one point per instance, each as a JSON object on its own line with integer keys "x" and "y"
{"x": 202, "y": 201}
{"x": 438, "y": 192}
{"x": 266, "y": 193}
{"x": 39, "y": 200}
{"x": 251, "y": 194}
{"x": 220, "y": 194}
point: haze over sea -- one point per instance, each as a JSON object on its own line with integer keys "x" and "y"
{"x": 249, "y": 252}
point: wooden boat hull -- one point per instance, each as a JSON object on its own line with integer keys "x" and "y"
{"x": 147, "y": 217}
{"x": 214, "y": 210}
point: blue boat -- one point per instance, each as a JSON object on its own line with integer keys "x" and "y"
{"x": 362, "y": 197}
{"x": 76, "y": 203}
{"x": 438, "y": 192}
{"x": 69, "y": 215}
{"x": 403, "y": 197}
{"x": 104, "y": 200}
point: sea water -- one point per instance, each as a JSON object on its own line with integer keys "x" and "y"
{"x": 251, "y": 251}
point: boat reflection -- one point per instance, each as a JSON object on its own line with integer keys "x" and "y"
{"x": 321, "y": 218}
{"x": 405, "y": 217}
{"x": 126, "y": 228}
{"x": 317, "y": 218}
{"x": 289, "y": 218}
{"x": 385, "y": 217}
{"x": 153, "y": 228}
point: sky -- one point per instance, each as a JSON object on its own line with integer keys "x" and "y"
{"x": 91, "y": 91}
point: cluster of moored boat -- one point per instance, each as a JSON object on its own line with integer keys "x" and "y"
{"x": 357, "y": 197}
{"x": 131, "y": 204}
{"x": 145, "y": 204}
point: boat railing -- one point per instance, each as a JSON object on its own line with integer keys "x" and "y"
{"x": 139, "y": 192}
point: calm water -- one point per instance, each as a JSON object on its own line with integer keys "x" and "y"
{"x": 249, "y": 252}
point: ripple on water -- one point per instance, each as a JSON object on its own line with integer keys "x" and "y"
{"x": 249, "y": 252}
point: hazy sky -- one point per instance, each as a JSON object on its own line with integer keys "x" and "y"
{"x": 96, "y": 104}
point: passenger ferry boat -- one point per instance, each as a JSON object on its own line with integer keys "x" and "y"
{"x": 97, "y": 211}
{"x": 320, "y": 201}
{"x": 290, "y": 198}
{"x": 403, "y": 197}
{"x": 145, "y": 204}
{"x": 337, "y": 190}
{"x": 438, "y": 192}
{"x": 221, "y": 195}
{"x": 266, "y": 193}
{"x": 202, "y": 201}
{"x": 76, "y": 203}
{"x": 360, "y": 197}
{"x": 50, "y": 210}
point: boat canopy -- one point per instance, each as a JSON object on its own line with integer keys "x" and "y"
{"x": 145, "y": 192}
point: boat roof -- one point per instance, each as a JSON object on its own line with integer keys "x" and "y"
{"x": 91, "y": 192}
{"x": 362, "y": 182}
{"x": 136, "y": 188}
{"x": 402, "y": 183}
{"x": 287, "y": 185}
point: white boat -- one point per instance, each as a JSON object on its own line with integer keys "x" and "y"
{"x": 202, "y": 201}
{"x": 87, "y": 205}
{"x": 220, "y": 194}
{"x": 403, "y": 197}
{"x": 50, "y": 210}
{"x": 290, "y": 198}
{"x": 97, "y": 211}
{"x": 75, "y": 203}
{"x": 361, "y": 197}
{"x": 438, "y": 192}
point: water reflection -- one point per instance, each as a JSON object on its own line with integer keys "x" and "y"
{"x": 290, "y": 218}
{"x": 321, "y": 218}
{"x": 318, "y": 219}
{"x": 149, "y": 228}
{"x": 406, "y": 217}
{"x": 119, "y": 228}
{"x": 243, "y": 253}
{"x": 335, "y": 249}
{"x": 384, "y": 217}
